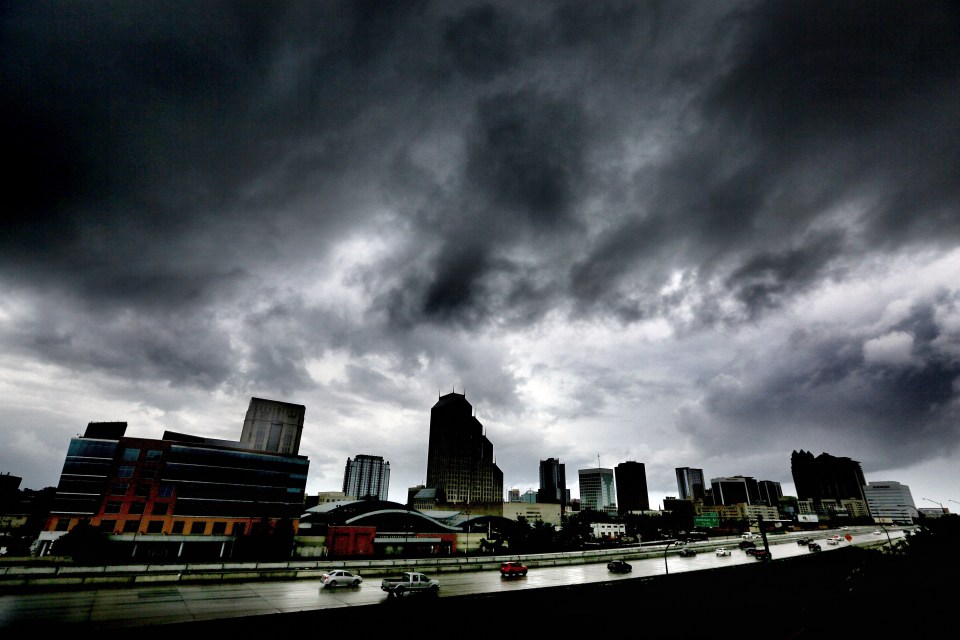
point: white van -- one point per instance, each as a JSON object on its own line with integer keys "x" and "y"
{"x": 749, "y": 536}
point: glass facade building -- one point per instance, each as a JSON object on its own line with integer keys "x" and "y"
{"x": 597, "y": 489}
{"x": 163, "y": 493}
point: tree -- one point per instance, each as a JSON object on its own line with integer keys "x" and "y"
{"x": 84, "y": 543}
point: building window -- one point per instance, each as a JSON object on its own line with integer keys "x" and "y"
{"x": 155, "y": 526}
{"x": 63, "y": 524}
{"x": 131, "y": 454}
{"x": 197, "y": 528}
{"x": 135, "y": 508}
{"x": 119, "y": 489}
{"x": 239, "y": 528}
{"x": 177, "y": 527}
{"x": 154, "y": 454}
{"x": 165, "y": 491}
{"x": 125, "y": 471}
{"x": 108, "y": 526}
{"x": 160, "y": 508}
{"x": 219, "y": 528}
{"x": 131, "y": 526}
{"x": 143, "y": 490}
{"x": 112, "y": 507}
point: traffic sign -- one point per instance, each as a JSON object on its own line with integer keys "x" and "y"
{"x": 709, "y": 519}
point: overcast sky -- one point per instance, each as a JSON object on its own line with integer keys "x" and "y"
{"x": 700, "y": 234}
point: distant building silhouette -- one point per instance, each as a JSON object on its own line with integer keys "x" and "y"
{"x": 770, "y": 492}
{"x": 553, "y": 483}
{"x": 367, "y": 476}
{"x": 826, "y": 477}
{"x": 271, "y": 425}
{"x": 460, "y": 463}
{"x": 735, "y": 490}
{"x": 631, "y": 483}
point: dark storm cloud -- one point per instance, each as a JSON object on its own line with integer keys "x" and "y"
{"x": 830, "y": 386}
{"x": 345, "y": 199}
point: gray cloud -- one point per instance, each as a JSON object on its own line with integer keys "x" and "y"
{"x": 674, "y": 231}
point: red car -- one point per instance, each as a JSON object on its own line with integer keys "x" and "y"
{"x": 508, "y": 569}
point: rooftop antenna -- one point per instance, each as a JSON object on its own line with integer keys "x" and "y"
{"x": 598, "y": 461}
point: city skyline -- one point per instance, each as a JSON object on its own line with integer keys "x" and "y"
{"x": 693, "y": 235}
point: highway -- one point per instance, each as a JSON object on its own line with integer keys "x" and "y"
{"x": 171, "y": 604}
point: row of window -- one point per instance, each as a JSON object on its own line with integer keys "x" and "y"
{"x": 178, "y": 527}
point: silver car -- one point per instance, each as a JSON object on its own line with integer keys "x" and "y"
{"x": 341, "y": 577}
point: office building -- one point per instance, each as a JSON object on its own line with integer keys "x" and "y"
{"x": 770, "y": 492}
{"x": 890, "y": 502}
{"x": 690, "y": 484}
{"x": 597, "y": 489}
{"x": 553, "y": 483}
{"x": 460, "y": 462}
{"x": 271, "y": 425}
{"x": 181, "y": 497}
{"x": 826, "y": 477}
{"x": 631, "y": 483}
{"x": 735, "y": 490}
{"x": 367, "y": 477}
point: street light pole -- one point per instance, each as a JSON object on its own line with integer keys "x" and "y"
{"x": 670, "y": 543}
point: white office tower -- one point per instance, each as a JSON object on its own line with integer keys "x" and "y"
{"x": 890, "y": 502}
{"x": 367, "y": 477}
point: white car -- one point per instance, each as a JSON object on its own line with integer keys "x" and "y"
{"x": 341, "y": 577}
{"x": 723, "y": 552}
{"x": 834, "y": 540}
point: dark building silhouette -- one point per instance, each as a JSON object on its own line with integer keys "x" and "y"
{"x": 631, "y": 481}
{"x": 553, "y": 483}
{"x": 690, "y": 483}
{"x": 770, "y": 492}
{"x": 826, "y": 477}
{"x": 460, "y": 463}
{"x": 735, "y": 490}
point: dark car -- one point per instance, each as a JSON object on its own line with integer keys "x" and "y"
{"x": 753, "y": 551}
{"x": 747, "y": 544}
{"x": 813, "y": 546}
{"x": 687, "y": 552}
{"x": 803, "y": 541}
{"x": 508, "y": 569}
{"x": 761, "y": 554}
{"x": 619, "y": 566}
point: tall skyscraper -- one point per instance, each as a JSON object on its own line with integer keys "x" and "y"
{"x": 631, "y": 482}
{"x": 367, "y": 476}
{"x": 553, "y": 483}
{"x": 271, "y": 425}
{"x": 826, "y": 477}
{"x": 596, "y": 489}
{"x": 690, "y": 484}
{"x": 460, "y": 462}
